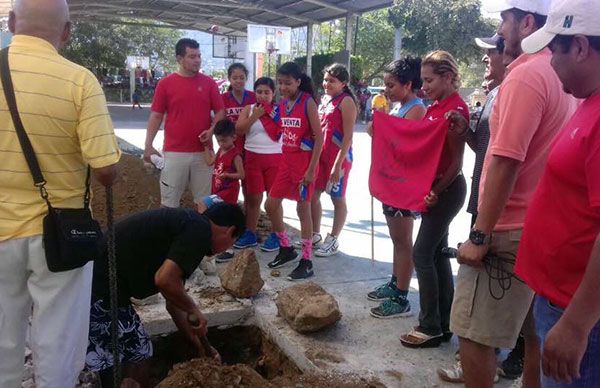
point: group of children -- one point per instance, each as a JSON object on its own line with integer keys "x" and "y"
{"x": 292, "y": 150}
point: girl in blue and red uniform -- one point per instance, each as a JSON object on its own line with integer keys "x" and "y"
{"x": 338, "y": 115}
{"x": 237, "y": 97}
{"x": 302, "y": 144}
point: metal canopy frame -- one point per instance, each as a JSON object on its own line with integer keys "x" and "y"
{"x": 232, "y": 16}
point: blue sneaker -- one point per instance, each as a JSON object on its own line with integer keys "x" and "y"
{"x": 271, "y": 244}
{"x": 392, "y": 308}
{"x": 246, "y": 240}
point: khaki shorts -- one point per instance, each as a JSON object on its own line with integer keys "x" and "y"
{"x": 181, "y": 169}
{"x": 476, "y": 315}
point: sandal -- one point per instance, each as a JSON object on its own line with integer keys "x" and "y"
{"x": 417, "y": 339}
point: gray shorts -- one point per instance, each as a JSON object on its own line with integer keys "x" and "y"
{"x": 479, "y": 316}
{"x": 183, "y": 169}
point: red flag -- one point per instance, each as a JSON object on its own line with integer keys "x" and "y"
{"x": 404, "y": 158}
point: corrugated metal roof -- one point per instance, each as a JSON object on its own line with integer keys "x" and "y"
{"x": 232, "y": 16}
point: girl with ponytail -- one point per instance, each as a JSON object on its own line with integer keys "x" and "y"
{"x": 302, "y": 143}
{"x": 338, "y": 115}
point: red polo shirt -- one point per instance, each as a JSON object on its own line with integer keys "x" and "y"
{"x": 188, "y": 102}
{"x": 563, "y": 220}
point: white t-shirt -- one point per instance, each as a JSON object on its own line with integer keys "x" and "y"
{"x": 258, "y": 141}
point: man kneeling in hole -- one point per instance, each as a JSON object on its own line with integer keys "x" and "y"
{"x": 156, "y": 251}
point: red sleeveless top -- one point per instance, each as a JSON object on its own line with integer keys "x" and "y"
{"x": 297, "y": 134}
{"x": 332, "y": 124}
{"x": 233, "y": 107}
{"x": 224, "y": 164}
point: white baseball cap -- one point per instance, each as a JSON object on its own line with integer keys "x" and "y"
{"x": 566, "y": 17}
{"x": 541, "y": 7}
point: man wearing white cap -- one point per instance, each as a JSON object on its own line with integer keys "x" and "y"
{"x": 559, "y": 257}
{"x": 529, "y": 111}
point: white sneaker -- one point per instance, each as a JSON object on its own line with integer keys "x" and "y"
{"x": 316, "y": 240}
{"x": 329, "y": 247}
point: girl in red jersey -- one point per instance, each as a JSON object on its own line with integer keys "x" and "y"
{"x": 237, "y": 97}
{"x": 302, "y": 143}
{"x": 441, "y": 80}
{"x": 338, "y": 115}
{"x": 262, "y": 156}
{"x": 229, "y": 168}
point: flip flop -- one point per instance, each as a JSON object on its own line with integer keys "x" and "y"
{"x": 417, "y": 339}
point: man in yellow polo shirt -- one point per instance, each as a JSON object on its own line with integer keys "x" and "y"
{"x": 380, "y": 103}
{"x": 64, "y": 113}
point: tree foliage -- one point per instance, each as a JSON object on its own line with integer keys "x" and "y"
{"x": 449, "y": 25}
{"x": 320, "y": 61}
{"x": 102, "y": 46}
{"x": 375, "y": 42}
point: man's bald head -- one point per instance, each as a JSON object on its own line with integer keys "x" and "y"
{"x": 45, "y": 19}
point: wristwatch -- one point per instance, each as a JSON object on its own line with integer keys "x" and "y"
{"x": 477, "y": 237}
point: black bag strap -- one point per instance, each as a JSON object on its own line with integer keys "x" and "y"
{"x": 30, "y": 157}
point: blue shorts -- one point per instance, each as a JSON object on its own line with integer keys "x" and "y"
{"x": 546, "y": 315}
{"x": 134, "y": 341}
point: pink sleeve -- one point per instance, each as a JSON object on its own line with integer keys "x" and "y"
{"x": 592, "y": 167}
{"x": 520, "y": 108}
{"x": 215, "y": 97}
{"x": 159, "y": 101}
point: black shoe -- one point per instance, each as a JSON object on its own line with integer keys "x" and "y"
{"x": 303, "y": 271}
{"x": 225, "y": 257}
{"x": 512, "y": 367}
{"x": 285, "y": 255}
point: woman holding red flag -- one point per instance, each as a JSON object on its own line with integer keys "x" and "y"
{"x": 441, "y": 81}
{"x": 402, "y": 80}
{"x": 259, "y": 123}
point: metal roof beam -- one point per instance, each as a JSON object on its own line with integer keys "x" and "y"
{"x": 326, "y": 4}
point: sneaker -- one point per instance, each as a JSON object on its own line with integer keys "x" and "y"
{"x": 329, "y": 247}
{"x": 316, "y": 240}
{"x": 455, "y": 374}
{"x": 384, "y": 292}
{"x": 518, "y": 383}
{"x": 271, "y": 244}
{"x": 246, "y": 240}
{"x": 302, "y": 271}
{"x": 224, "y": 257}
{"x": 392, "y": 308}
{"x": 285, "y": 255}
{"x": 512, "y": 367}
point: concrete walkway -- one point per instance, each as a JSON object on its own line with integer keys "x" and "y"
{"x": 359, "y": 343}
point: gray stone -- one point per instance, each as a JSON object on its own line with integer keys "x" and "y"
{"x": 241, "y": 278}
{"x": 308, "y": 307}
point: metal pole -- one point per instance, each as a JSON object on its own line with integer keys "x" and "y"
{"x": 397, "y": 44}
{"x": 349, "y": 26}
{"x": 309, "y": 48}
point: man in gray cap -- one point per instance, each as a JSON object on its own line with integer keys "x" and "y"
{"x": 529, "y": 111}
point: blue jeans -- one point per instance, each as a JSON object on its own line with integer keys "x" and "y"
{"x": 546, "y": 315}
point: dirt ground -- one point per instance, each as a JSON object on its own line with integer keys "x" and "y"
{"x": 137, "y": 189}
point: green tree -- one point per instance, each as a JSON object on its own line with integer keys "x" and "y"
{"x": 447, "y": 25}
{"x": 100, "y": 46}
{"x": 375, "y": 42}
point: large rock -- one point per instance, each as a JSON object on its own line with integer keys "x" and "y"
{"x": 308, "y": 307}
{"x": 241, "y": 278}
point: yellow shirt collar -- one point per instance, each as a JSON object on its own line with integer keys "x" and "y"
{"x": 27, "y": 42}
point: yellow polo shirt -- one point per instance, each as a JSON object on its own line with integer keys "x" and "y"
{"x": 379, "y": 101}
{"x": 63, "y": 110}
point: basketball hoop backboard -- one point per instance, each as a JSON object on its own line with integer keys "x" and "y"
{"x": 137, "y": 61}
{"x": 269, "y": 39}
{"x": 225, "y": 46}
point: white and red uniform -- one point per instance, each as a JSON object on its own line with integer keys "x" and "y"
{"x": 227, "y": 189}
{"x": 333, "y": 134}
{"x": 262, "y": 155}
{"x": 297, "y": 150}
{"x": 233, "y": 108}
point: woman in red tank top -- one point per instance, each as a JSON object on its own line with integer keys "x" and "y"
{"x": 302, "y": 143}
{"x": 338, "y": 115}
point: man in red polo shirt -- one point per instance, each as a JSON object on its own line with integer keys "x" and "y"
{"x": 559, "y": 256}
{"x": 187, "y": 98}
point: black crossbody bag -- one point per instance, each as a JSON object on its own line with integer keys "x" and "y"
{"x": 70, "y": 236}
